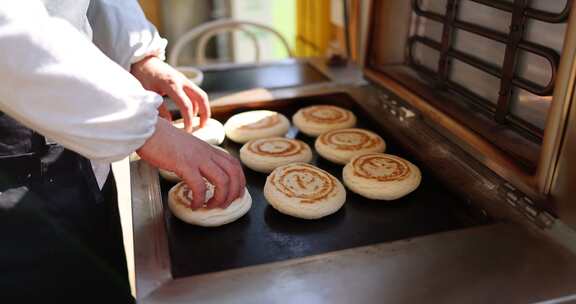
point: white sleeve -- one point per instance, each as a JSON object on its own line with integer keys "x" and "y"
{"x": 121, "y": 31}
{"x": 55, "y": 81}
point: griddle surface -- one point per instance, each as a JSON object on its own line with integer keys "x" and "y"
{"x": 270, "y": 76}
{"x": 264, "y": 235}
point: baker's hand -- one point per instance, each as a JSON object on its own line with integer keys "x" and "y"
{"x": 156, "y": 75}
{"x": 192, "y": 159}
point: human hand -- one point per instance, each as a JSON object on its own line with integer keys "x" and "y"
{"x": 192, "y": 159}
{"x": 156, "y": 75}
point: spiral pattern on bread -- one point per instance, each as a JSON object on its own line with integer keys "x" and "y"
{"x": 318, "y": 119}
{"x": 262, "y": 123}
{"x": 326, "y": 114}
{"x": 257, "y": 124}
{"x": 381, "y": 176}
{"x": 184, "y": 197}
{"x": 179, "y": 202}
{"x": 350, "y": 139}
{"x": 254, "y": 120}
{"x": 304, "y": 182}
{"x": 277, "y": 147}
{"x": 381, "y": 167}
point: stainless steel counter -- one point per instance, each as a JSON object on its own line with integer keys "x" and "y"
{"x": 501, "y": 263}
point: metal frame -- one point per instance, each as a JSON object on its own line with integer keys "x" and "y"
{"x": 503, "y": 262}
{"x": 151, "y": 257}
{"x": 388, "y": 272}
{"x": 385, "y": 65}
{"x": 521, "y": 13}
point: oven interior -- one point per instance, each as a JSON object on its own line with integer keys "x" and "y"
{"x": 489, "y": 64}
{"x": 264, "y": 235}
{"x": 267, "y": 76}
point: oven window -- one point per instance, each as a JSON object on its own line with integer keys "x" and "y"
{"x": 500, "y": 56}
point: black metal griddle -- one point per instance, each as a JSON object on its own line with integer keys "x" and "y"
{"x": 270, "y": 76}
{"x": 264, "y": 235}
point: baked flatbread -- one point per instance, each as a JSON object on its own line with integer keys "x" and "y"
{"x": 266, "y": 154}
{"x": 381, "y": 176}
{"x": 339, "y": 146}
{"x": 212, "y": 132}
{"x": 304, "y": 191}
{"x": 180, "y": 198}
{"x": 318, "y": 119}
{"x": 250, "y": 125}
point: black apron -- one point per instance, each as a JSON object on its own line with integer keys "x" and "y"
{"x": 60, "y": 236}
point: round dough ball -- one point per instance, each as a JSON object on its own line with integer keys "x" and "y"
{"x": 180, "y": 197}
{"x": 315, "y": 120}
{"x": 339, "y": 146}
{"x": 212, "y": 133}
{"x": 304, "y": 191}
{"x": 381, "y": 176}
{"x": 246, "y": 126}
{"x": 266, "y": 154}
{"x": 172, "y": 177}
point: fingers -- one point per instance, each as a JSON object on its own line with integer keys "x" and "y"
{"x": 196, "y": 183}
{"x": 239, "y": 173}
{"x": 184, "y": 104}
{"x": 219, "y": 168}
{"x": 220, "y": 180}
{"x": 200, "y": 100}
{"x": 242, "y": 177}
{"x": 233, "y": 174}
{"x": 164, "y": 112}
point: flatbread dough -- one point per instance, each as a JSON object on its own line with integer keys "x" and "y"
{"x": 169, "y": 176}
{"x": 172, "y": 177}
{"x": 250, "y": 125}
{"x": 180, "y": 197}
{"x": 266, "y": 154}
{"x": 339, "y": 146}
{"x": 318, "y": 119}
{"x": 304, "y": 191}
{"x": 381, "y": 176}
{"x": 212, "y": 133}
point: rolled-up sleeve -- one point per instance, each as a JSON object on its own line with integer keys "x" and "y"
{"x": 55, "y": 81}
{"x": 121, "y": 31}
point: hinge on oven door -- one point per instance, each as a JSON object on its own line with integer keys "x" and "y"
{"x": 400, "y": 111}
{"x": 514, "y": 197}
{"x": 526, "y": 206}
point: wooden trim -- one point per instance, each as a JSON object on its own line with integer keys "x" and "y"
{"x": 557, "y": 174}
{"x": 559, "y": 111}
{"x": 152, "y": 10}
{"x": 354, "y": 29}
{"x": 538, "y": 183}
{"x": 477, "y": 146}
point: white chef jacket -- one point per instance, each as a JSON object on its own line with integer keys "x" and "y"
{"x": 75, "y": 91}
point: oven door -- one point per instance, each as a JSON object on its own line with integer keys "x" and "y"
{"x": 494, "y": 76}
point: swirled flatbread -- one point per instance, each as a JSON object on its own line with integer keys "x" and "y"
{"x": 339, "y": 146}
{"x": 250, "y": 125}
{"x": 212, "y": 132}
{"x": 266, "y": 154}
{"x": 304, "y": 191}
{"x": 318, "y": 119}
{"x": 381, "y": 176}
{"x": 180, "y": 198}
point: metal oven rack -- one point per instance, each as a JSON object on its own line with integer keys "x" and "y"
{"x": 507, "y": 73}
